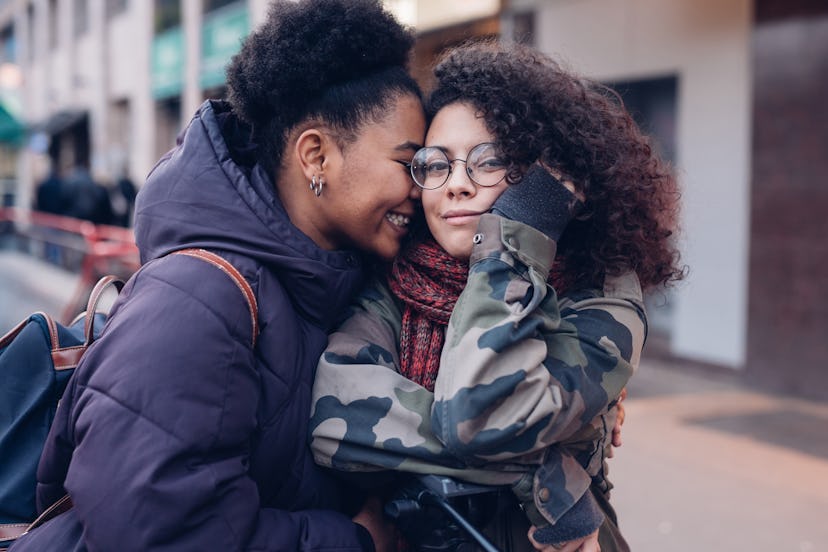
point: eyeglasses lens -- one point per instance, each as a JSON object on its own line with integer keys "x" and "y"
{"x": 431, "y": 167}
{"x": 485, "y": 165}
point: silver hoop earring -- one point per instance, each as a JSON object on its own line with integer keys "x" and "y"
{"x": 316, "y": 185}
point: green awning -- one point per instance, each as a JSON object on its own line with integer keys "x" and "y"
{"x": 11, "y": 131}
{"x": 222, "y": 34}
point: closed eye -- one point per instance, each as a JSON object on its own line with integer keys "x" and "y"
{"x": 437, "y": 167}
{"x": 491, "y": 165}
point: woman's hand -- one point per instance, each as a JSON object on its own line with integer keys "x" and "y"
{"x": 382, "y": 532}
{"x": 619, "y": 421}
{"x": 588, "y": 543}
{"x": 540, "y": 200}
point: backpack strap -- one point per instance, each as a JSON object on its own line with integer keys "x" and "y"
{"x": 9, "y": 532}
{"x": 223, "y": 265}
{"x": 92, "y": 305}
{"x": 12, "y": 532}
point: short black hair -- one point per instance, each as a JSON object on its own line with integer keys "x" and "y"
{"x": 339, "y": 62}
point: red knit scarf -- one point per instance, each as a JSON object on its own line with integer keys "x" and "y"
{"x": 428, "y": 281}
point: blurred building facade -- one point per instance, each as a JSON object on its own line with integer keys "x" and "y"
{"x": 732, "y": 90}
{"x": 109, "y": 83}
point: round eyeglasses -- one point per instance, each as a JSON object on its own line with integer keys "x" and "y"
{"x": 431, "y": 167}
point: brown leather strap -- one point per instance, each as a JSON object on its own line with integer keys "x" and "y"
{"x": 230, "y": 270}
{"x": 10, "y": 531}
{"x": 64, "y": 504}
{"x": 92, "y": 305}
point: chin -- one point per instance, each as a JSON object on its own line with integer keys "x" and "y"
{"x": 387, "y": 253}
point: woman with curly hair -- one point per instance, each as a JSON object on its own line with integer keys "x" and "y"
{"x": 498, "y": 345}
{"x": 179, "y": 432}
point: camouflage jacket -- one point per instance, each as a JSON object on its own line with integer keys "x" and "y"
{"x": 527, "y": 383}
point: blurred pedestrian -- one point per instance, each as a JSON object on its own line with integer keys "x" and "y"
{"x": 50, "y": 193}
{"x": 86, "y": 198}
{"x": 51, "y": 199}
{"x": 122, "y": 196}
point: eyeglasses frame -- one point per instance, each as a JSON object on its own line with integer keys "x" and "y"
{"x": 451, "y": 167}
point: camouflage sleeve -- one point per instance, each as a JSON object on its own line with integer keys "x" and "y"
{"x": 368, "y": 417}
{"x": 519, "y": 372}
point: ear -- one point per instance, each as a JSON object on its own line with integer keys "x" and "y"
{"x": 313, "y": 148}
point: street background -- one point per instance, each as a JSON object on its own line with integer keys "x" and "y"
{"x": 707, "y": 463}
{"x": 726, "y": 439}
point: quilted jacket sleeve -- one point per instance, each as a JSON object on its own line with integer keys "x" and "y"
{"x": 162, "y": 414}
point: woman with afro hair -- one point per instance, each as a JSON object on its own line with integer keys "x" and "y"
{"x": 178, "y": 431}
{"x": 498, "y": 345}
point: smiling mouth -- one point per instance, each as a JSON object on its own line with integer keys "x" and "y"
{"x": 398, "y": 220}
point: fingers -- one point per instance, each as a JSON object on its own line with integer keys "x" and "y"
{"x": 616, "y": 435}
{"x": 584, "y": 544}
{"x": 619, "y": 421}
{"x": 590, "y": 544}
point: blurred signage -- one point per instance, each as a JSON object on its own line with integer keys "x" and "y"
{"x": 221, "y": 38}
{"x": 427, "y": 15}
{"x": 168, "y": 63}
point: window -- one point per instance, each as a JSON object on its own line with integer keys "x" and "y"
{"x": 116, "y": 7}
{"x": 30, "y": 28}
{"x": 54, "y": 30}
{"x": 81, "y": 17}
{"x": 167, "y": 14}
{"x": 652, "y": 103}
{"x": 210, "y": 5}
{"x": 523, "y": 28}
{"x": 8, "y": 45}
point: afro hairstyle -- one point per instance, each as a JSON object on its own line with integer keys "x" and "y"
{"x": 337, "y": 62}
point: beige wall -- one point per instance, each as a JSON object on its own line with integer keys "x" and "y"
{"x": 706, "y": 43}
{"x": 427, "y": 15}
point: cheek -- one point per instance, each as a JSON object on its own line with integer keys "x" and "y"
{"x": 492, "y": 194}
{"x": 430, "y": 201}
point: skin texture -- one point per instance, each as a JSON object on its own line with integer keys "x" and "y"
{"x": 365, "y": 181}
{"x": 457, "y": 128}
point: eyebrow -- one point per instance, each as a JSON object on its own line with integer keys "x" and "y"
{"x": 408, "y": 146}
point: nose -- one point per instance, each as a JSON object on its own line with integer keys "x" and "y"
{"x": 459, "y": 182}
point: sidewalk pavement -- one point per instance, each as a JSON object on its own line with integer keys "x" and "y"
{"x": 28, "y": 284}
{"x": 707, "y": 464}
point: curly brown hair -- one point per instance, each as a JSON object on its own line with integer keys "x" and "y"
{"x": 540, "y": 112}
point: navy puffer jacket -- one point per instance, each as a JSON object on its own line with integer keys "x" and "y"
{"x": 175, "y": 434}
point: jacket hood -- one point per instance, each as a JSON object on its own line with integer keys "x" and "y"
{"x": 209, "y": 192}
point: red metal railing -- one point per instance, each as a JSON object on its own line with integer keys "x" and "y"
{"x": 105, "y": 249}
